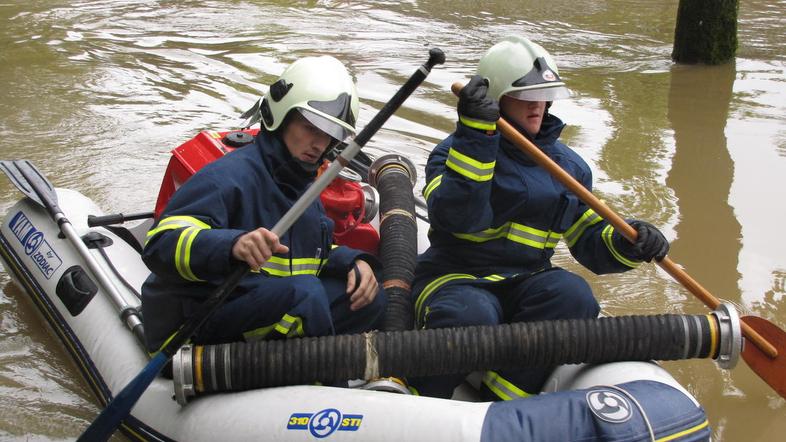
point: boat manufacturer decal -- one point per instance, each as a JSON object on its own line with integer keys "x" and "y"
{"x": 324, "y": 423}
{"x": 609, "y": 406}
{"x": 36, "y": 246}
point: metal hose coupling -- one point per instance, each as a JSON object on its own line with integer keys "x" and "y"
{"x": 730, "y": 335}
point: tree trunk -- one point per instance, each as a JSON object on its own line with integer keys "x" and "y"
{"x": 706, "y": 31}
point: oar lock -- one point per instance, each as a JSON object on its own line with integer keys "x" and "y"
{"x": 202, "y": 369}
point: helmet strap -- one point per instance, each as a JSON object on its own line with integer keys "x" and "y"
{"x": 265, "y": 112}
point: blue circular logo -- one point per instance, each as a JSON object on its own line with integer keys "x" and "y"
{"x": 33, "y": 241}
{"x": 609, "y": 406}
{"x": 324, "y": 423}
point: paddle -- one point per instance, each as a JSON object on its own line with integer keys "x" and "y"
{"x": 765, "y": 359}
{"x": 26, "y": 177}
{"x": 121, "y": 405}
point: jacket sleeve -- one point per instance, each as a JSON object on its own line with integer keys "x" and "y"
{"x": 191, "y": 242}
{"x": 589, "y": 240}
{"x": 342, "y": 258}
{"x": 459, "y": 176}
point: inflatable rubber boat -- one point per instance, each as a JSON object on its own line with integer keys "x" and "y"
{"x": 83, "y": 271}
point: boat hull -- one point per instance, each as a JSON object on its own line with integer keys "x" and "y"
{"x": 108, "y": 357}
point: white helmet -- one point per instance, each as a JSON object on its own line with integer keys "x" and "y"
{"x": 321, "y": 89}
{"x": 521, "y": 69}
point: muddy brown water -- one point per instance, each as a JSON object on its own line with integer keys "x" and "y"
{"x": 97, "y": 93}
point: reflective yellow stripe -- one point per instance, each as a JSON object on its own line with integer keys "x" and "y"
{"x": 258, "y": 333}
{"x": 172, "y": 336}
{"x": 502, "y": 387}
{"x": 183, "y": 253}
{"x": 290, "y": 326}
{"x": 435, "y": 284}
{"x": 606, "y": 235}
{"x": 469, "y": 167}
{"x": 575, "y": 231}
{"x": 278, "y": 266}
{"x": 515, "y": 232}
{"x": 476, "y": 124}
{"x": 690, "y": 430}
{"x": 431, "y": 186}
{"x": 439, "y": 282}
{"x": 175, "y": 222}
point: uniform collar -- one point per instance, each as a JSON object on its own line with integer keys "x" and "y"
{"x": 284, "y": 168}
{"x": 550, "y": 130}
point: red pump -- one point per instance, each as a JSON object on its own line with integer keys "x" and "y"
{"x": 345, "y": 203}
{"x": 344, "y": 199}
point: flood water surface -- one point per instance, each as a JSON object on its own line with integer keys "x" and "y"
{"x": 97, "y": 93}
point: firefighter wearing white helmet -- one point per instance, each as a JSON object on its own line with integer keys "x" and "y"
{"x": 321, "y": 89}
{"x": 219, "y": 218}
{"x": 496, "y": 217}
{"x": 523, "y": 70}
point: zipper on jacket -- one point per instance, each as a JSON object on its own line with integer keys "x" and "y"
{"x": 325, "y": 246}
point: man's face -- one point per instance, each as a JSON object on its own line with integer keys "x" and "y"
{"x": 305, "y": 141}
{"x": 527, "y": 114}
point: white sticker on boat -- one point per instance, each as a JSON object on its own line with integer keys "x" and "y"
{"x": 609, "y": 406}
{"x": 36, "y": 246}
{"x": 324, "y": 423}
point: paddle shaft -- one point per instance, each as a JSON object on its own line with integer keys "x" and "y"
{"x": 615, "y": 220}
{"x": 48, "y": 199}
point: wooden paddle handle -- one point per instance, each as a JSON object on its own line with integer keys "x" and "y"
{"x": 615, "y": 220}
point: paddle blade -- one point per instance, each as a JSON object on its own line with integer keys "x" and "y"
{"x": 771, "y": 370}
{"x": 120, "y": 407}
{"x": 26, "y": 177}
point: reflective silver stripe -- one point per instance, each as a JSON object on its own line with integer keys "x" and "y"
{"x": 183, "y": 253}
{"x": 502, "y": 387}
{"x": 469, "y": 167}
{"x": 517, "y": 233}
{"x": 607, "y": 235}
{"x": 284, "y": 326}
{"x": 175, "y": 222}
{"x": 431, "y": 186}
{"x": 575, "y": 231}
{"x": 298, "y": 266}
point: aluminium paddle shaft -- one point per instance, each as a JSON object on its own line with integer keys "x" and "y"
{"x": 28, "y": 179}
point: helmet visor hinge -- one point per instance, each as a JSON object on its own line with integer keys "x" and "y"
{"x": 279, "y": 89}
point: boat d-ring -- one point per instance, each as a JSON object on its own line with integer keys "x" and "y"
{"x": 730, "y": 333}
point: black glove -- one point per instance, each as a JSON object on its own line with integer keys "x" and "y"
{"x": 650, "y": 243}
{"x": 476, "y": 109}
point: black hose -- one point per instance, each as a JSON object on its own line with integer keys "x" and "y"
{"x": 398, "y": 232}
{"x": 244, "y": 366}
